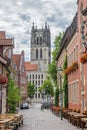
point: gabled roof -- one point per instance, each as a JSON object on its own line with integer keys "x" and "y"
{"x": 16, "y": 59}
{"x": 6, "y": 42}
{"x": 31, "y": 67}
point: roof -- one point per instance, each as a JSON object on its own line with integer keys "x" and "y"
{"x": 16, "y": 59}
{"x": 70, "y": 31}
{"x": 31, "y": 67}
{"x": 6, "y": 42}
{"x": 2, "y": 34}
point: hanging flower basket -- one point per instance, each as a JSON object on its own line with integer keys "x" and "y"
{"x": 83, "y": 59}
{"x": 3, "y": 79}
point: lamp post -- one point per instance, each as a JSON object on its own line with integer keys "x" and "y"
{"x": 60, "y": 92}
{"x": 43, "y": 94}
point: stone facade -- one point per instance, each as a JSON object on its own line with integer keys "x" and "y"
{"x": 40, "y": 55}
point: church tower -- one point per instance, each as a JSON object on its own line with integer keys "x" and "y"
{"x": 41, "y": 47}
{"x": 40, "y": 56}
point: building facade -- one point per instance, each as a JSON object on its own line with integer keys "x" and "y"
{"x": 40, "y": 55}
{"x": 6, "y": 47}
{"x": 76, "y": 48}
{"x": 20, "y": 78}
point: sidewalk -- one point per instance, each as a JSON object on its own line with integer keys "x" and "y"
{"x": 35, "y": 119}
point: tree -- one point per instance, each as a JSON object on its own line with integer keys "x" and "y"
{"x": 65, "y": 85}
{"x": 13, "y": 95}
{"x": 52, "y": 67}
{"x": 31, "y": 90}
{"x": 48, "y": 87}
{"x": 56, "y": 96}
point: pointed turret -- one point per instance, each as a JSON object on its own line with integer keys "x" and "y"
{"x": 33, "y": 26}
{"x": 45, "y": 25}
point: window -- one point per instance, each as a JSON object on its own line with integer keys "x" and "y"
{"x": 40, "y": 40}
{"x": 33, "y": 82}
{"x": 37, "y": 41}
{"x": 38, "y": 76}
{"x": 33, "y": 76}
{"x": 36, "y": 53}
{"x": 41, "y": 76}
{"x": 42, "y": 82}
{"x": 38, "y": 95}
{"x": 41, "y": 53}
{"x": 39, "y": 82}
{"x": 36, "y": 82}
{"x": 36, "y": 89}
{"x": 76, "y": 53}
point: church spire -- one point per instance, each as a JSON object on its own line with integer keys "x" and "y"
{"x": 33, "y": 26}
{"x": 45, "y": 25}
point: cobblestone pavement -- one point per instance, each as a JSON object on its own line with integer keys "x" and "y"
{"x": 35, "y": 119}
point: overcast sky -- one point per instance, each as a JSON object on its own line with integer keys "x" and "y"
{"x": 17, "y": 16}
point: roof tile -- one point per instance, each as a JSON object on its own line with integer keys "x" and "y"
{"x": 31, "y": 67}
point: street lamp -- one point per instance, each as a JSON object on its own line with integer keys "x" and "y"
{"x": 43, "y": 94}
{"x": 60, "y": 92}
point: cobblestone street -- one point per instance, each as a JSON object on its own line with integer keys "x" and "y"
{"x": 35, "y": 119}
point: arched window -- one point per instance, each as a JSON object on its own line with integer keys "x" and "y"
{"x": 36, "y": 53}
{"x": 37, "y": 41}
{"x": 40, "y": 40}
{"x": 41, "y": 53}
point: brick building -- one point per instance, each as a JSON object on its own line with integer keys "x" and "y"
{"x": 75, "y": 49}
{"x": 21, "y": 77}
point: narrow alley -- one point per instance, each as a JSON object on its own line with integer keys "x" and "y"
{"x": 35, "y": 119}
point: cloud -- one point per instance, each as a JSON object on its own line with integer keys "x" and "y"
{"x": 17, "y": 16}
{"x": 25, "y": 17}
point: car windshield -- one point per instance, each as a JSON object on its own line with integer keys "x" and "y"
{"x": 25, "y": 104}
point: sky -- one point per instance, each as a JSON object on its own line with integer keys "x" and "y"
{"x": 17, "y": 16}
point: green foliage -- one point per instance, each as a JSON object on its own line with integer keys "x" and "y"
{"x": 57, "y": 97}
{"x": 31, "y": 90}
{"x": 52, "y": 67}
{"x": 48, "y": 87}
{"x": 57, "y": 46}
{"x": 13, "y": 95}
{"x": 53, "y": 72}
{"x": 65, "y": 85}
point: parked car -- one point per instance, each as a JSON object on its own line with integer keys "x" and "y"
{"x": 24, "y": 106}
